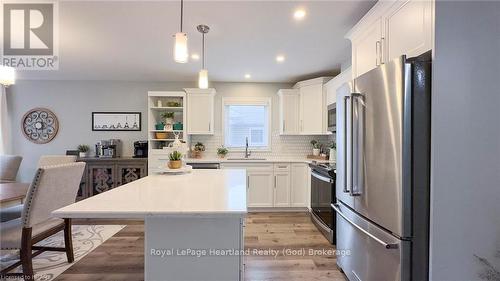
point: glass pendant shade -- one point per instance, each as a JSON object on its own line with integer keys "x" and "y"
{"x": 203, "y": 79}
{"x": 7, "y": 75}
{"x": 181, "y": 48}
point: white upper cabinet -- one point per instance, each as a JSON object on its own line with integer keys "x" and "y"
{"x": 289, "y": 111}
{"x": 312, "y": 106}
{"x": 200, "y": 111}
{"x": 337, "y": 81}
{"x": 391, "y": 29}
{"x": 408, "y": 27}
{"x": 303, "y": 108}
{"x": 311, "y": 113}
{"x": 366, "y": 48}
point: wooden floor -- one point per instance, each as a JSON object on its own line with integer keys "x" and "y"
{"x": 122, "y": 258}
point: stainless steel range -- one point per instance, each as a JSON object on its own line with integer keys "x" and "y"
{"x": 323, "y": 178}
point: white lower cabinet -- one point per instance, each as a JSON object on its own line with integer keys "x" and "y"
{"x": 282, "y": 189}
{"x": 280, "y": 185}
{"x": 260, "y": 189}
{"x": 299, "y": 185}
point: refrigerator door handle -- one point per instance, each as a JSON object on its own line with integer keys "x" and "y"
{"x": 354, "y": 99}
{"x": 384, "y": 244}
{"x": 346, "y": 190}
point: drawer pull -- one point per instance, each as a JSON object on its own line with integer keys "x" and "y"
{"x": 384, "y": 244}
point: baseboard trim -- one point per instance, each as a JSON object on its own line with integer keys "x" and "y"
{"x": 277, "y": 209}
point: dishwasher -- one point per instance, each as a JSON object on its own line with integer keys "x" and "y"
{"x": 206, "y": 166}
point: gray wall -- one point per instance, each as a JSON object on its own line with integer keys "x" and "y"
{"x": 74, "y": 101}
{"x": 465, "y": 198}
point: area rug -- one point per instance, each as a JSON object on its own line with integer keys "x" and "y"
{"x": 49, "y": 265}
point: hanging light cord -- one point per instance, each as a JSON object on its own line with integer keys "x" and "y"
{"x": 203, "y": 51}
{"x": 182, "y": 12}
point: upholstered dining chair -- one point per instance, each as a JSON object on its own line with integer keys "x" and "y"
{"x": 53, "y": 187}
{"x": 49, "y": 160}
{"x": 14, "y": 212}
{"x": 9, "y": 165}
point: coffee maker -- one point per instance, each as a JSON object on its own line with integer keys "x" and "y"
{"x": 108, "y": 148}
{"x": 140, "y": 149}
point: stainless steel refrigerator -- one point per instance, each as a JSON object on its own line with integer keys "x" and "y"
{"x": 383, "y": 168}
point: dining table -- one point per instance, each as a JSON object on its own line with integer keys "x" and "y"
{"x": 12, "y": 193}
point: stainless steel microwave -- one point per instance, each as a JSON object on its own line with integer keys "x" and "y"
{"x": 332, "y": 117}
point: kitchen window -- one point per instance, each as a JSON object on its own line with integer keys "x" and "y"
{"x": 247, "y": 118}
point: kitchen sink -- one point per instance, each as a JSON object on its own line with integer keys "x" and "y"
{"x": 246, "y": 159}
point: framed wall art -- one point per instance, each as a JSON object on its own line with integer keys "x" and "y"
{"x": 116, "y": 121}
{"x": 40, "y": 125}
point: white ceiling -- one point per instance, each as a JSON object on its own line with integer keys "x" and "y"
{"x": 132, "y": 40}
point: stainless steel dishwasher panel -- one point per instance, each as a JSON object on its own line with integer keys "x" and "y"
{"x": 206, "y": 166}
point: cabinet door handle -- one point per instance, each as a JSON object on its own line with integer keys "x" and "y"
{"x": 275, "y": 181}
{"x": 382, "y": 50}
{"x": 377, "y": 53}
{"x": 284, "y": 126}
{"x": 248, "y": 182}
{"x": 209, "y": 126}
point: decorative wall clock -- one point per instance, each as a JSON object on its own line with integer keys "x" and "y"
{"x": 40, "y": 125}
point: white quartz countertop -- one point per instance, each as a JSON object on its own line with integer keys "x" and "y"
{"x": 254, "y": 160}
{"x": 210, "y": 193}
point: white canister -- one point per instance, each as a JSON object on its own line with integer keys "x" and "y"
{"x": 333, "y": 155}
{"x": 316, "y": 151}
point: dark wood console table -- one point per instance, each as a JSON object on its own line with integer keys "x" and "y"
{"x": 103, "y": 174}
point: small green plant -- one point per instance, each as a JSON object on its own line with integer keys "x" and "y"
{"x": 173, "y": 104}
{"x": 199, "y": 147}
{"x": 83, "y": 148}
{"x": 175, "y": 156}
{"x": 316, "y": 144}
{"x": 333, "y": 145}
{"x": 166, "y": 115}
{"x": 222, "y": 151}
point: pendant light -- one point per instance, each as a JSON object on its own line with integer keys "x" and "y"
{"x": 180, "y": 47}
{"x": 7, "y": 76}
{"x": 203, "y": 75}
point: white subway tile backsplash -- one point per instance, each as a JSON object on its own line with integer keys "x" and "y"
{"x": 281, "y": 146}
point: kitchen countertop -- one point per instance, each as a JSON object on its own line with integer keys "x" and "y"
{"x": 121, "y": 158}
{"x": 267, "y": 160}
{"x": 203, "y": 193}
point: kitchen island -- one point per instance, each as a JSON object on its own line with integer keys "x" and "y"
{"x": 193, "y": 222}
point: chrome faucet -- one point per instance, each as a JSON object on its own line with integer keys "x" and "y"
{"x": 247, "y": 152}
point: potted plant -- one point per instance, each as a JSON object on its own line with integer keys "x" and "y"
{"x": 83, "y": 150}
{"x": 198, "y": 150}
{"x": 333, "y": 152}
{"x": 169, "y": 117}
{"x": 175, "y": 160}
{"x": 173, "y": 104}
{"x": 160, "y": 126}
{"x": 316, "y": 147}
{"x": 222, "y": 152}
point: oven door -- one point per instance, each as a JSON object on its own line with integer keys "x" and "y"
{"x": 321, "y": 198}
{"x": 332, "y": 117}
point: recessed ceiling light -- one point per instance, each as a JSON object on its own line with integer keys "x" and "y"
{"x": 280, "y": 58}
{"x": 299, "y": 14}
{"x": 248, "y": 76}
{"x": 195, "y": 56}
